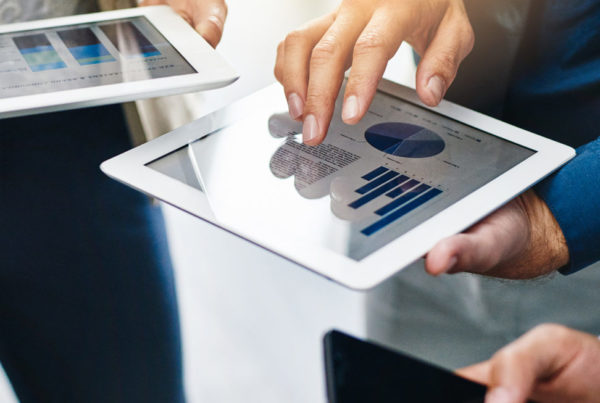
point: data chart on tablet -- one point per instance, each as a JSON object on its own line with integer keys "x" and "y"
{"x": 363, "y": 187}
{"x": 85, "y": 55}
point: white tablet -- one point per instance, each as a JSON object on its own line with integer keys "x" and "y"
{"x": 367, "y": 202}
{"x": 101, "y": 58}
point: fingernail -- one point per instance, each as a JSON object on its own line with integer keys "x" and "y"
{"x": 350, "y": 110}
{"x": 295, "y": 106}
{"x": 451, "y": 264}
{"x": 500, "y": 395}
{"x": 310, "y": 129}
{"x": 436, "y": 86}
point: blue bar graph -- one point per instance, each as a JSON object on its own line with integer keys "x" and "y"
{"x": 403, "y": 188}
{"x": 385, "y": 221}
{"x": 375, "y": 173}
{"x": 377, "y": 182}
{"x": 403, "y": 199}
{"x": 379, "y": 191}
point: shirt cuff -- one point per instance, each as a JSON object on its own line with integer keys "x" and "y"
{"x": 573, "y": 196}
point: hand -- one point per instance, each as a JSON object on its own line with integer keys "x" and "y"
{"x": 551, "y": 363}
{"x": 365, "y": 34}
{"x": 520, "y": 240}
{"x": 206, "y": 16}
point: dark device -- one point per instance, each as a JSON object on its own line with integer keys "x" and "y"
{"x": 359, "y": 371}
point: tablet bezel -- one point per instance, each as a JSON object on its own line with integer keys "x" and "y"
{"x": 212, "y": 69}
{"x": 130, "y": 168}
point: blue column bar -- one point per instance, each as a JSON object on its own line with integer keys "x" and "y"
{"x": 378, "y": 192}
{"x": 375, "y": 173}
{"x": 379, "y": 181}
{"x": 403, "y": 199}
{"x": 401, "y": 189}
{"x": 385, "y": 221}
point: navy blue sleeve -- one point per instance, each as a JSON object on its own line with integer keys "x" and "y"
{"x": 573, "y": 196}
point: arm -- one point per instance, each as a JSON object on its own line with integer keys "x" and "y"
{"x": 550, "y": 363}
{"x": 573, "y": 196}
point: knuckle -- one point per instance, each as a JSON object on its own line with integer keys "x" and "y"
{"x": 447, "y": 63}
{"x": 551, "y": 330}
{"x": 369, "y": 43}
{"x": 319, "y": 100}
{"x": 278, "y": 73}
{"x": 294, "y": 37}
{"x": 468, "y": 36}
{"x": 325, "y": 51}
{"x": 363, "y": 79}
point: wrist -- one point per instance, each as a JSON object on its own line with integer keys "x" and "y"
{"x": 547, "y": 243}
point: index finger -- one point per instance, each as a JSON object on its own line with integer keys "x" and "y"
{"x": 329, "y": 59}
{"x": 376, "y": 45}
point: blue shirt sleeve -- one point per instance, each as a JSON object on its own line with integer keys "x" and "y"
{"x": 573, "y": 196}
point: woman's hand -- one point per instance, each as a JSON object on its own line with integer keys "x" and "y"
{"x": 206, "y": 16}
{"x": 551, "y": 363}
{"x": 365, "y": 34}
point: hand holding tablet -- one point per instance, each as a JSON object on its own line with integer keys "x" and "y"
{"x": 207, "y": 17}
{"x": 367, "y": 202}
{"x": 101, "y": 58}
{"x": 520, "y": 240}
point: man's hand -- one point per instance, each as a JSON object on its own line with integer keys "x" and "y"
{"x": 365, "y": 34}
{"x": 520, "y": 240}
{"x": 551, "y": 363}
{"x": 206, "y": 16}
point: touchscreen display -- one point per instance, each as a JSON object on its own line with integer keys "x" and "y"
{"x": 85, "y": 55}
{"x": 363, "y": 187}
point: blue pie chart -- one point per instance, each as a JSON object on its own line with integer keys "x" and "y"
{"x": 404, "y": 140}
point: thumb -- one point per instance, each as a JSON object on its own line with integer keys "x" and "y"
{"x": 472, "y": 251}
{"x": 437, "y": 69}
{"x": 209, "y": 20}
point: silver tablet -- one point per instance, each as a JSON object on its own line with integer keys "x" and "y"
{"x": 367, "y": 202}
{"x": 101, "y": 58}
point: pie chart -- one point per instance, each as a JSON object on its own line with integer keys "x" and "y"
{"x": 404, "y": 140}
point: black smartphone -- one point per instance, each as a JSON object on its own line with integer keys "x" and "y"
{"x": 360, "y": 371}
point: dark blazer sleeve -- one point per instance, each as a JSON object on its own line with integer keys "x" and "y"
{"x": 573, "y": 196}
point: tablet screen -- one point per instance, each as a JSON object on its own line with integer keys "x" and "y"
{"x": 85, "y": 55}
{"x": 363, "y": 187}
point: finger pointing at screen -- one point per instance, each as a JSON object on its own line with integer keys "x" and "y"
{"x": 365, "y": 34}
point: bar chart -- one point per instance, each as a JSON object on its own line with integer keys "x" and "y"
{"x": 38, "y": 52}
{"x": 402, "y": 193}
{"x": 85, "y": 46}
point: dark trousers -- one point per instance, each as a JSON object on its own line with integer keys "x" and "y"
{"x": 88, "y": 310}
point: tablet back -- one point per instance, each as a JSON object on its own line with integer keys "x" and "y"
{"x": 358, "y": 371}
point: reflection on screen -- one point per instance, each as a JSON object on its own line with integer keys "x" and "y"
{"x": 363, "y": 187}
{"x": 85, "y": 55}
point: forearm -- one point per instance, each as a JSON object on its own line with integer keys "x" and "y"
{"x": 573, "y": 197}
